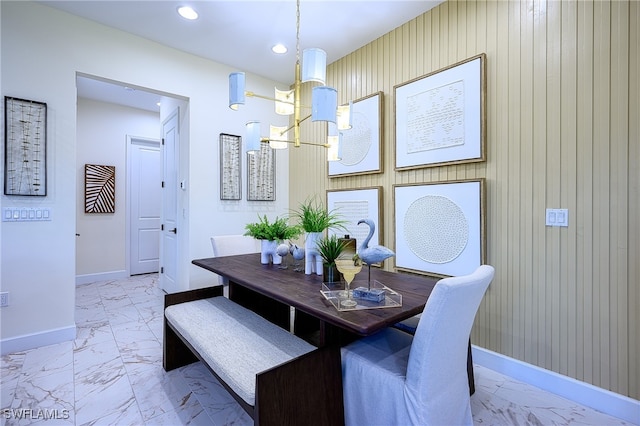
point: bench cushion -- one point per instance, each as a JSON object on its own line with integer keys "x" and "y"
{"x": 235, "y": 342}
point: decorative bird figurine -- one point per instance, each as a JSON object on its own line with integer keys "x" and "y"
{"x": 373, "y": 254}
{"x": 298, "y": 255}
{"x": 283, "y": 250}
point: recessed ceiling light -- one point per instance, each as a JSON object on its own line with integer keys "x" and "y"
{"x": 279, "y": 48}
{"x": 187, "y": 12}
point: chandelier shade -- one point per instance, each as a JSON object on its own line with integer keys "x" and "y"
{"x": 284, "y": 101}
{"x": 253, "y": 137}
{"x": 324, "y": 104}
{"x": 278, "y": 137}
{"x": 236, "y": 90}
{"x": 344, "y": 118}
{"x": 314, "y": 65}
{"x": 334, "y": 145}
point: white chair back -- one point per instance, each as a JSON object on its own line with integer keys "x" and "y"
{"x": 436, "y": 369}
{"x": 231, "y": 245}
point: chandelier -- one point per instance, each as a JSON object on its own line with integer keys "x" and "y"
{"x": 324, "y": 104}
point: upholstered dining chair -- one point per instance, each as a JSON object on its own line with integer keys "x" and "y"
{"x": 395, "y": 378}
{"x": 230, "y": 245}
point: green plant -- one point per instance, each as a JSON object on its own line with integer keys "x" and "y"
{"x": 314, "y": 217}
{"x": 277, "y": 231}
{"x": 330, "y": 249}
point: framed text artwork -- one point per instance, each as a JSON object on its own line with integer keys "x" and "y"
{"x": 361, "y": 145}
{"x": 25, "y": 150}
{"x": 261, "y": 174}
{"x": 230, "y": 178}
{"x": 440, "y": 227}
{"x": 441, "y": 117}
{"x": 99, "y": 189}
{"x": 351, "y": 205}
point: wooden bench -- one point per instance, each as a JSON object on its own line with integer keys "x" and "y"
{"x": 275, "y": 376}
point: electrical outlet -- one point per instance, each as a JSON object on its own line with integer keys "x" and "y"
{"x": 4, "y": 298}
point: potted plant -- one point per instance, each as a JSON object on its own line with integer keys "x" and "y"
{"x": 314, "y": 219}
{"x": 330, "y": 249}
{"x": 270, "y": 234}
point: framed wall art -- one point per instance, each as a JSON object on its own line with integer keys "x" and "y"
{"x": 230, "y": 177}
{"x": 25, "y": 150}
{"x": 361, "y": 146}
{"x": 261, "y": 174}
{"x": 355, "y": 204}
{"x": 441, "y": 117}
{"x": 99, "y": 189}
{"x": 439, "y": 227}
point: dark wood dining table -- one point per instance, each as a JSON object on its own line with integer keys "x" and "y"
{"x": 271, "y": 292}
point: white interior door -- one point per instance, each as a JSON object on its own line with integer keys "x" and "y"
{"x": 169, "y": 228}
{"x": 145, "y": 200}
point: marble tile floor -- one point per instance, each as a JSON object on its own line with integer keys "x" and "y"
{"x": 112, "y": 375}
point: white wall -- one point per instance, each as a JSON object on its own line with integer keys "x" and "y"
{"x": 38, "y": 259}
{"x": 102, "y": 130}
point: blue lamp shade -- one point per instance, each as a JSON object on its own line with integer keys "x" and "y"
{"x": 236, "y": 90}
{"x": 314, "y": 65}
{"x": 324, "y": 104}
{"x": 253, "y": 137}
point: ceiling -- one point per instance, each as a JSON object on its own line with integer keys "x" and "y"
{"x": 241, "y": 33}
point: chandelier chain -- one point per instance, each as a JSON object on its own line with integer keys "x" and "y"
{"x": 298, "y": 31}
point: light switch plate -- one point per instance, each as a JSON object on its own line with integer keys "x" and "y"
{"x": 557, "y": 217}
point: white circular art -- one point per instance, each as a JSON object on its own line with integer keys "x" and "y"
{"x": 356, "y": 141}
{"x": 436, "y": 229}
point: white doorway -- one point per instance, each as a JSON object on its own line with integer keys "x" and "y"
{"x": 169, "y": 271}
{"x": 145, "y": 201}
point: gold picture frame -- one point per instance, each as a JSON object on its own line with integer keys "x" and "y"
{"x": 361, "y": 146}
{"x": 440, "y": 118}
{"x": 440, "y": 227}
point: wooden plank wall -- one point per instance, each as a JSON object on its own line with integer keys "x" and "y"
{"x": 563, "y": 131}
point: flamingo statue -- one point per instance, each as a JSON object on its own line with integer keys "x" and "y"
{"x": 373, "y": 254}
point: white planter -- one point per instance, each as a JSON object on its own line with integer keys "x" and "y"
{"x": 268, "y": 252}
{"x": 312, "y": 259}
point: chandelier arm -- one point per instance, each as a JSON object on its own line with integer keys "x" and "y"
{"x": 256, "y": 95}
{"x": 267, "y": 140}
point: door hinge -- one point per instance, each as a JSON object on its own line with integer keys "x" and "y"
{"x": 162, "y": 227}
{"x": 162, "y": 184}
{"x": 162, "y": 141}
{"x": 162, "y": 269}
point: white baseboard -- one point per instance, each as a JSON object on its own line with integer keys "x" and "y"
{"x": 104, "y": 276}
{"x": 35, "y": 340}
{"x": 605, "y": 401}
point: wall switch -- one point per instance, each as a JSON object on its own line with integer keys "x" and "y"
{"x": 26, "y": 214}
{"x": 4, "y": 298}
{"x": 557, "y": 217}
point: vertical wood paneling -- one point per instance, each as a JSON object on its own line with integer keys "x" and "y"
{"x": 563, "y": 119}
{"x": 634, "y": 199}
{"x": 618, "y": 236}
{"x": 585, "y": 179}
{"x": 568, "y": 186}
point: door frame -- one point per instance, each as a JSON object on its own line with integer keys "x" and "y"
{"x": 130, "y": 140}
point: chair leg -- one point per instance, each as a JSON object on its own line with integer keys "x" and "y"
{"x": 472, "y": 383}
